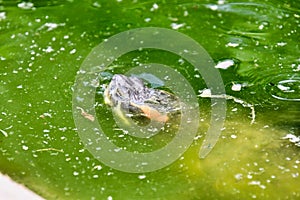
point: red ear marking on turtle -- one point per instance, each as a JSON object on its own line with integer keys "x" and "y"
{"x": 153, "y": 114}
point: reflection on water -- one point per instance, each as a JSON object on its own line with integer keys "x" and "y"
{"x": 43, "y": 43}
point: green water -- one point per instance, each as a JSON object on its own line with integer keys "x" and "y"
{"x": 42, "y": 48}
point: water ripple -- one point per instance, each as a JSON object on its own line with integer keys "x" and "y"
{"x": 285, "y": 90}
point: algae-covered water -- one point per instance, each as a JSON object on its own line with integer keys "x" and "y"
{"x": 255, "y": 46}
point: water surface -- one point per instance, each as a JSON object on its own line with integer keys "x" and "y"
{"x": 43, "y": 43}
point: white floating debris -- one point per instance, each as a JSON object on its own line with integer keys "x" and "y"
{"x": 75, "y": 173}
{"x": 51, "y": 26}
{"x": 221, "y": 2}
{"x": 295, "y": 175}
{"x": 2, "y": 16}
{"x": 213, "y": 7}
{"x": 232, "y": 44}
{"x": 20, "y": 86}
{"x": 281, "y": 44}
{"x": 26, "y": 5}
{"x": 109, "y": 198}
{"x": 143, "y": 176}
{"x": 225, "y": 64}
{"x": 97, "y": 167}
{"x": 96, "y": 176}
{"x": 233, "y": 136}
{"x": 97, "y": 5}
{"x": 68, "y": 159}
{"x": 205, "y": 93}
{"x": 4, "y": 113}
{"x": 238, "y": 176}
{"x": 293, "y": 139}
{"x": 176, "y": 26}
{"x": 49, "y": 49}
{"x": 147, "y": 19}
{"x": 258, "y": 183}
{"x": 47, "y": 115}
{"x": 73, "y": 51}
{"x": 236, "y": 87}
{"x": 154, "y": 7}
{"x": 234, "y": 109}
{"x": 261, "y": 27}
{"x": 117, "y": 150}
{"x": 173, "y": 19}
{"x": 25, "y": 148}
{"x": 4, "y": 132}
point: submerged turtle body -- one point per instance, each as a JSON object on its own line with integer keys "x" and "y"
{"x": 131, "y": 95}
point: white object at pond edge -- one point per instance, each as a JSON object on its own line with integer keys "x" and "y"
{"x": 15, "y": 191}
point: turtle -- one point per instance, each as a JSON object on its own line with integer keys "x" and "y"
{"x": 130, "y": 94}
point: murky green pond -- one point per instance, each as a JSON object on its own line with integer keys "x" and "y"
{"x": 255, "y": 46}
